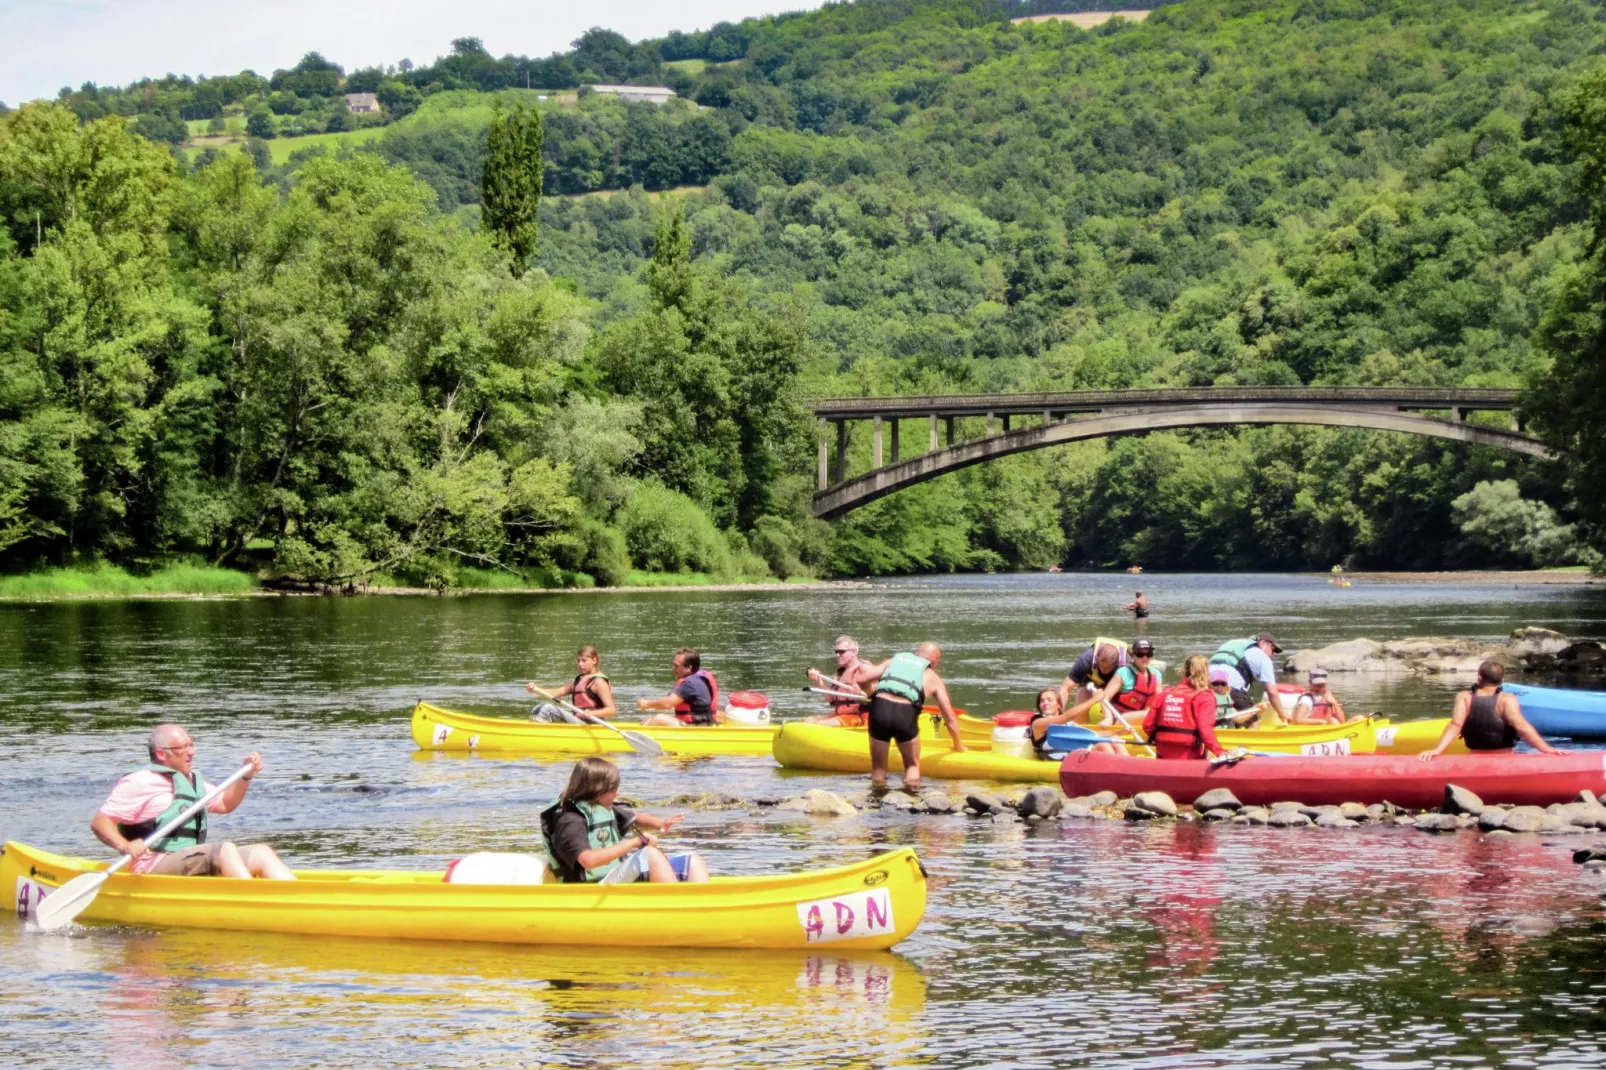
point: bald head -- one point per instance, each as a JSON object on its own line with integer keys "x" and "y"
{"x": 930, "y": 651}
{"x": 1108, "y": 656}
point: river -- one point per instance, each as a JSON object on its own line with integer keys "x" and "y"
{"x": 1094, "y": 944}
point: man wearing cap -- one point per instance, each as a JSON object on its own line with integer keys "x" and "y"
{"x": 1317, "y": 705}
{"x": 1248, "y": 661}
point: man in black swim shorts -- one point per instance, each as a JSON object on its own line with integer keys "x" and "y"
{"x": 902, "y": 686}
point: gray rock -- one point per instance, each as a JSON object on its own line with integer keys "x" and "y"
{"x": 1591, "y": 817}
{"x": 1438, "y": 822}
{"x": 1288, "y": 819}
{"x": 1336, "y": 657}
{"x": 821, "y": 803}
{"x": 1254, "y": 815}
{"x": 1041, "y": 802}
{"x": 1033, "y": 818}
{"x": 1138, "y": 813}
{"x": 983, "y": 803}
{"x": 1466, "y": 821}
{"x": 1075, "y": 809}
{"x": 1525, "y": 819}
{"x": 1335, "y": 820}
{"x": 1276, "y": 806}
{"x": 1587, "y": 797}
{"x": 1354, "y": 811}
{"x": 1404, "y": 819}
{"x": 1220, "y": 813}
{"x": 1005, "y": 817}
{"x": 1556, "y": 825}
{"x": 1491, "y": 818}
{"x": 1313, "y": 812}
{"x": 1157, "y": 802}
{"x": 1500, "y": 832}
{"x": 897, "y": 800}
{"x": 1595, "y": 865}
{"x": 1378, "y": 811}
{"x": 1011, "y": 797}
{"x": 861, "y": 799}
{"x": 1106, "y": 798}
{"x": 1590, "y": 854}
{"x": 970, "y": 811}
{"x": 1217, "y": 799}
{"x": 1458, "y": 800}
{"x": 936, "y": 801}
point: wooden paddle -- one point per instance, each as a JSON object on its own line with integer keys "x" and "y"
{"x": 67, "y": 902}
{"x": 639, "y": 743}
{"x": 829, "y": 693}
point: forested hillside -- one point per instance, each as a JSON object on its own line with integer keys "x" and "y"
{"x": 323, "y": 363}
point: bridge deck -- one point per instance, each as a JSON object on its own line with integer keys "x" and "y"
{"x": 1080, "y": 401}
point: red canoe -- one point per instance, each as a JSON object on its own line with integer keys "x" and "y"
{"x": 1521, "y": 779}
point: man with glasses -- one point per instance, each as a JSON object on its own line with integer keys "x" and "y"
{"x": 845, "y": 712}
{"x": 1130, "y": 688}
{"x": 148, "y": 798}
{"x": 1317, "y": 705}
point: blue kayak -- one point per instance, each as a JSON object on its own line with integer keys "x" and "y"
{"x": 1555, "y": 711}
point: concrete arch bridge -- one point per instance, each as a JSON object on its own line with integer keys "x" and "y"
{"x": 1052, "y": 419}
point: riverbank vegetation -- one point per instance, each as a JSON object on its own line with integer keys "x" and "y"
{"x": 207, "y": 351}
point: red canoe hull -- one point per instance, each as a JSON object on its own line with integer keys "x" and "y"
{"x": 1520, "y": 779}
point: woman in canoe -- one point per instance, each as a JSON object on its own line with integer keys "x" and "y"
{"x": 592, "y": 840}
{"x": 1182, "y": 719}
{"x": 1050, "y": 712}
{"x": 590, "y": 688}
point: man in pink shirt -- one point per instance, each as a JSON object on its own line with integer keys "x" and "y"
{"x": 148, "y": 798}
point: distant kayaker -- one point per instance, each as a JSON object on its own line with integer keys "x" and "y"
{"x": 1093, "y": 668}
{"x": 1138, "y": 607}
{"x": 1488, "y": 718}
{"x": 1181, "y": 721}
{"x": 902, "y": 685}
{"x": 845, "y": 713}
{"x": 695, "y": 698}
{"x": 591, "y": 690}
{"x": 1050, "y": 712}
{"x": 148, "y": 798}
{"x": 1247, "y": 662}
{"x": 591, "y": 839}
{"x": 1129, "y": 690}
{"x": 1317, "y": 705}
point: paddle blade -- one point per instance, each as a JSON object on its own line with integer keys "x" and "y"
{"x": 67, "y": 902}
{"x": 643, "y": 744}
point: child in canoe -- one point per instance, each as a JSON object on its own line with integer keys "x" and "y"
{"x": 591, "y": 840}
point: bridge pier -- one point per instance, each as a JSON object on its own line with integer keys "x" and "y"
{"x": 841, "y": 450}
{"x": 875, "y": 443}
{"x": 949, "y": 420}
{"x": 933, "y": 434}
{"x": 895, "y": 422}
{"x": 825, "y": 460}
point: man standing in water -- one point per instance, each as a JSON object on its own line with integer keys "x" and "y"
{"x": 1487, "y": 718}
{"x": 901, "y": 688}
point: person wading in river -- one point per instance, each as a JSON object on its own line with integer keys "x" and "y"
{"x": 902, "y": 685}
{"x": 1488, "y": 719}
{"x": 148, "y": 798}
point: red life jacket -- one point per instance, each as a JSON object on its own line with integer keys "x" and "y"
{"x": 585, "y": 698}
{"x": 686, "y": 715}
{"x": 1138, "y": 698}
{"x": 1320, "y": 705}
{"x": 1176, "y": 723}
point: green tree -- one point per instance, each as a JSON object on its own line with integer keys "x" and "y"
{"x": 511, "y": 183}
{"x": 260, "y": 124}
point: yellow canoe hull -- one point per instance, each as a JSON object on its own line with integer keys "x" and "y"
{"x": 448, "y": 730}
{"x": 869, "y": 905}
{"x": 799, "y": 745}
{"x": 1414, "y": 737}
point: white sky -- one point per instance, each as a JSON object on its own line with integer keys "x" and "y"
{"x": 46, "y": 44}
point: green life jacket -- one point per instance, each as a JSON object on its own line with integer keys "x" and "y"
{"x": 1234, "y": 655}
{"x": 602, "y": 830}
{"x": 186, "y": 793}
{"x": 906, "y": 678}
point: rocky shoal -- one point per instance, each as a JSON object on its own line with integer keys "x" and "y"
{"x": 1538, "y": 650}
{"x": 1461, "y": 810}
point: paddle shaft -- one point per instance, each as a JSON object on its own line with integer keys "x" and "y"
{"x": 838, "y": 694}
{"x": 637, "y": 741}
{"x": 68, "y": 901}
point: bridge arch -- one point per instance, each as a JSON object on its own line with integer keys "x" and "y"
{"x": 845, "y": 497}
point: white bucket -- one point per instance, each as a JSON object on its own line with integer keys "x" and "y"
{"x": 1013, "y": 739}
{"x": 747, "y": 715}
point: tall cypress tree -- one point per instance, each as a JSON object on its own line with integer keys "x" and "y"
{"x": 512, "y": 183}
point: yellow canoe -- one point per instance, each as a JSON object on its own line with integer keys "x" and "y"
{"x": 799, "y": 745}
{"x": 1413, "y": 737}
{"x": 449, "y": 730}
{"x": 869, "y": 905}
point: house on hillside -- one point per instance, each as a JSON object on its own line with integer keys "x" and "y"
{"x": 362, "y": 103}
{"x": 652, "y": 94}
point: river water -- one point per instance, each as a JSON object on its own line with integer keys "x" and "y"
{"x": 1094, "y": 944}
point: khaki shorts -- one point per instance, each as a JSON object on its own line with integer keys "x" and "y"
{"x": 197, "y": 861}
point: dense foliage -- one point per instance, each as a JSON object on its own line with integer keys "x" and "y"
{"x": 314, "y": 361}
